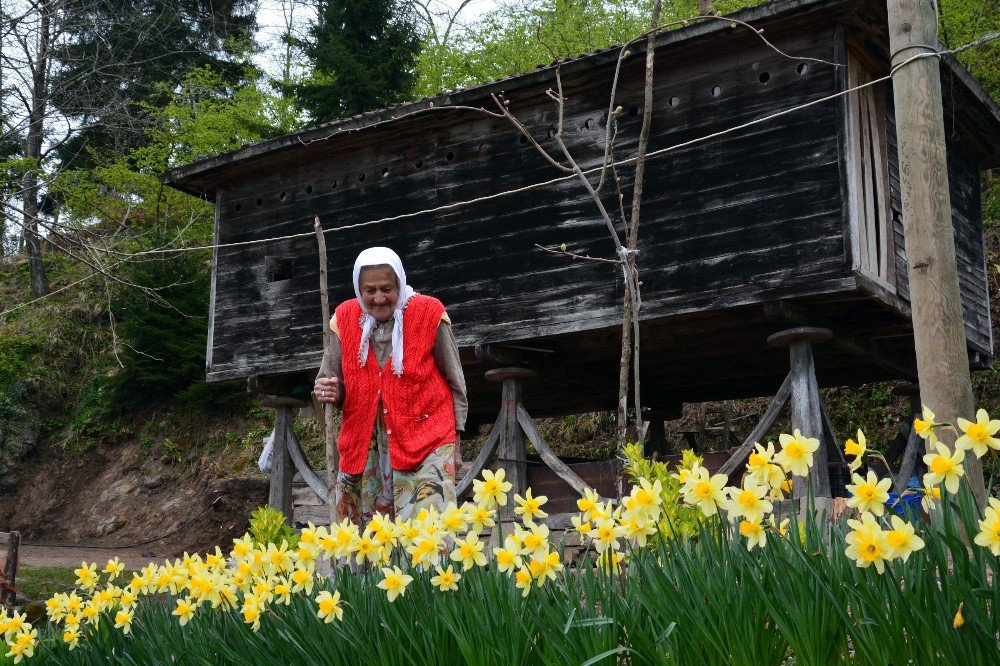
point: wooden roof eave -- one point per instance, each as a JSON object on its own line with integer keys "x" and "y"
{"x": 201, "y": 178}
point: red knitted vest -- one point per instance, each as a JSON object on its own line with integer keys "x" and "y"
{"x": 418, "y": 407}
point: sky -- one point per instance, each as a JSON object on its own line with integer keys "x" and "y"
{"x": 273, "y": 14}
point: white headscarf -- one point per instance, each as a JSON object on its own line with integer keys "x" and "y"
{"x": 379, "y": 256}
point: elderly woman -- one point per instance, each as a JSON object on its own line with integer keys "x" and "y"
{"x": 397, "y": 371}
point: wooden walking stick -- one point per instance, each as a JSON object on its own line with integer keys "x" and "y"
{"x": 332, "y": 455}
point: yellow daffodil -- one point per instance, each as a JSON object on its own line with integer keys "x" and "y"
{"x": 492, "y": 490}
{"x": 796, "y": 455}
{"x": 282, "y": 591}
{"x": 242, "y": 547}
{"x": 588, "y": 503}
{"x": 469, "y": 552}
{"x": 748, "y": 502}
{"x": 755, "y": 534}
{"x": 394, "y": 582}
{"x": 522, "y": 580}
{"x": 704, "y": 491}
{"x": 185, "y": 610}
{"x": 23, "y": 645}
{"x": 446, "y": 580}
{"x": 114, "y": 568}
{"x": 924, "y": 425}
{"x": 425, "y": 551}
{"x": 761, "y": 468}
{"x": 72, "y": 638}
{"x": 978, "y": 436}
{"x": 781, "y": 528}
{"x": 684, "y": 474}
{"x": 529, "y": 507}
{"x": 252, "y": 609}
{"x": 55, "y": 608}
{"x": 944, "y": 466}
{"x": 856, "y": 449}
{"x": 989, "y": 528}
{"x": 959, "y": 621}
{"x": 867, "y": 544}
{"x": 902, "y": 539}
{"x": 329, "y": 606}
{"x": 123, "y": 621}
{"x": 869, "y": 494}
{"x": 86, "y": 576}
{"x": 507, "y": 560}
{"x": 580, "y": 525}
{"x": 606, "y": 533}
{"x": 547, "y": 567}
{"x": 302, "y": 580}
{"x": 480, "y": 517}
{"x": 366, "y": 550}
{"x": 930, "y": 496}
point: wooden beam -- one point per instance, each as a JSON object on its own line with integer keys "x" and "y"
{"x": 766, "y": 422}
{"x": 935, "y": 296}
{"x": 302, "y": 465}
{"x": 551, "y": 459}
{"x": 849, "y": 341}
{"x": 280, "y": 492}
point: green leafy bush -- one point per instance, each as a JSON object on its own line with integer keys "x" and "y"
{"x": 267, "y": 525}
{"x": 678, "y": 519}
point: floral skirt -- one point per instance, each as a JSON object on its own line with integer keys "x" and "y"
{"x": 398, "y": 494}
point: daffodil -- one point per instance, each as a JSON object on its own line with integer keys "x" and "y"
{"x": 856, "y": 449}
{"x": 606, "y": 533}
{"x": 529, "y": 507}
{"x": 23, "y": 645}
{"x": 114, "y": 568}
{"x": 507, "y": 560}
{"x": 924, "y": 425}
{"x": 123, "y": 621}
{"x": 86, "y": 576}
{"x": 761, "y": 468}
{"x": 425, "y": 550}
{"x": 704, "y": 491}
{"x": 796, "y": 455}
{"x": 242, "y": 547}
{"x": 944, "y": 466}
{"x": 469, "y": 552}
{"x": 930, "y": 497}
{"x": 185, "y": 610}
{"x": 282, "y": 591}
{"x": 610, "y": 560}
{"x": 480, "y": 516}
{"x": 869, "y": 494}
{"x": 252, "y": 608}
{"x": 978, "y": 436}
{"x": 394, "y": 582}
{"x": 588, "y": 503}
{"x": 989, "y": 528}
{"x": 902, "y": 539}
{"x": 546, "y": 567}
{"x": 303, "y": 580}
{"x": 580, "y": 525}
{"x": 329, "y": 606}
{"x": 492, "y": 490}
{"x": 867, "y": 544}
{"x": 755, "y": 534}
{"x": 366, "y": 550}
{"x": 72, "y": 638}
{"x": 522, "y": 580}
{"x": 748, "y": 502}
{"x": 446, "y": 580}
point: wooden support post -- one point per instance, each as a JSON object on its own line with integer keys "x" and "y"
{"x": 282, "y": 469}
{"x": 656, "y": 437}
{"x": 935, "y": 298}
{"x": 9, "y": 544}
{"x": 807, "y": 413}
{"x": 510, "y": 449}
{"x": 914, "y": 445}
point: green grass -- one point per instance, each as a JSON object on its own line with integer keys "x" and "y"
{"x": 42, "y": 582}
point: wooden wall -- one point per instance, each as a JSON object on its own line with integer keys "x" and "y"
{"x": 739, "y": 220}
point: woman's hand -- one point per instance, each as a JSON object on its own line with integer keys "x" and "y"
{"x": 328, "y": 390}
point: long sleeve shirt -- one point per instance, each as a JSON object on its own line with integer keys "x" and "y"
{"x": 445, "y": 356}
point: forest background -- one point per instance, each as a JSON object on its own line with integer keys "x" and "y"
{"x": 100, "y": 97}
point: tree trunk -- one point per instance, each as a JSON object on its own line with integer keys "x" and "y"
{"x": 33, "y": 151}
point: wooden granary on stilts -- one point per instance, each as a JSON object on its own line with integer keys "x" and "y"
{"x": 783, "y": 234}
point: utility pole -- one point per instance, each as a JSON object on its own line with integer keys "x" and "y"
{"x": 935, "y": 301}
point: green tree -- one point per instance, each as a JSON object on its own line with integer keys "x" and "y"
{"x": 362, "y": 55}
{"x": 119, "y": 58}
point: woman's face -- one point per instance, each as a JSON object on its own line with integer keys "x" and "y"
{"x": 379, "y": 291}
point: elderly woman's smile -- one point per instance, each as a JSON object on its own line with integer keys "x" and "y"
{"x": 379, "y": 291}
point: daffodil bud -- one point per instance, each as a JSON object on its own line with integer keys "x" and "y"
{"x": 626, "y": 54}
{"x": 618, "y": 109}
{"x": 563, "y": 247}
{"x": 959, "y": 620}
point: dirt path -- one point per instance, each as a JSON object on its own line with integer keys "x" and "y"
{"x": 72, "y": 556}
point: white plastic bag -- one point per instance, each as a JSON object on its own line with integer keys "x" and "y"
{"x": 264, "y": 462}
